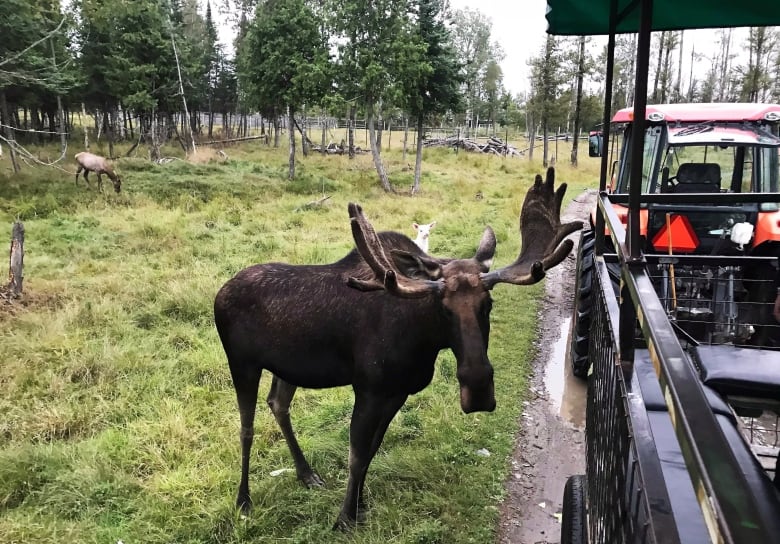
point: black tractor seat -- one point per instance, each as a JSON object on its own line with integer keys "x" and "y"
{"x": 745, "y": 374}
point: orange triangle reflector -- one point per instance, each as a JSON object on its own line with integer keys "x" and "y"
{"x": 684, "y": 240}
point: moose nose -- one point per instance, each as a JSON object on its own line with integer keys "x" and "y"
{"x": 477, "y": 400}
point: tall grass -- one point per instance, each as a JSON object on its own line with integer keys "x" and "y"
{"x": 119, "y": 420}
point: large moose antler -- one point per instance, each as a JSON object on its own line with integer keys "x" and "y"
{"x": 386, "y": 275}
{"x": 541, "y": 233}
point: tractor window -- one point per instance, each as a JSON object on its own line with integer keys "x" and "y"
{"x": 650, "y": 159}
{"x": 766, "y": 170}
{"x": 747, "y": 174}
{"x": 699, "y": 168}
{"x": 652, "y": 140}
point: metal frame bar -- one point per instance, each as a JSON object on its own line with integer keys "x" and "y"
{"x": 698, "y": 198}
{"x": 725, "y": 495}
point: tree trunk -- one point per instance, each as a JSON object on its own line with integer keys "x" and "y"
{"x": 154, "y": 149}
{"x": 291, "y": 131}
{"x": 304, "y": 134}
{"x": 406, "y": 136}
{"x": 9, "y": 134}
{"x": 545, "y": 144}
{"x": 661, "y": 38}
{"x": 379, "y": 131}
{"x": 16, "y": 266}
{"x": 678, "y": 86}
{"x": 351, "y": 132}
{"x": 109, "y": 132}
{"x": 725, "y": 67}
{"x": 418, "y": 156}
{"x": 324, "y": 134}
{"x": 578, "y": 105}
{"x": 531, "y": 137}
{"x": 380, "y": 168}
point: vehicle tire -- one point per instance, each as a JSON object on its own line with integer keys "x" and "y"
{"x": 582, "y": 305}
{"x": 574, "y": 520}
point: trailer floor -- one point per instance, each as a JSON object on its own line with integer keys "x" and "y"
{"x": 550, "y": 444}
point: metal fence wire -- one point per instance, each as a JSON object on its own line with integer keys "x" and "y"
{"x": 729, "y": 305}
{"x": 711, "y": 302}
{"x": 716, "y": 304}
{"x": 618, "y": 510}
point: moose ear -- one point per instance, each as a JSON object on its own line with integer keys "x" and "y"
{"x": 433, "y": 224}
{"x": 416, "y": 226}
{"x": 416, "y": 266}
{"x": 486, "y": 249}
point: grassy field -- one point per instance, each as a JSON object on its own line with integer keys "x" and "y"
{"x": 119, "y": 420}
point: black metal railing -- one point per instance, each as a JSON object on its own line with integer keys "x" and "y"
{"x": 607, "y": 430}
{"x": 628, "y": 501}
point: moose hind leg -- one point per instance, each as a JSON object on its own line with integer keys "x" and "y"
{"x": 370, "y": 418}
{"x": 246, "y": 393}
{"x": 279, "y": 398}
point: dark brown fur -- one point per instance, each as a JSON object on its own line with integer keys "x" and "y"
{"x": 377, "y": 327}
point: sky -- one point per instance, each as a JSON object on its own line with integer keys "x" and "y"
{"x": 519, "y": 27}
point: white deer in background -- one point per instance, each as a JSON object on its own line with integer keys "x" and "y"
{"x": 423, "y": 232}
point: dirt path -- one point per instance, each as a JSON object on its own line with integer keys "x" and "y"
{"x": 551, "y": 440}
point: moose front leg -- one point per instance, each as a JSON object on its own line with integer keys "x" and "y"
{"x": 370, "y": 418}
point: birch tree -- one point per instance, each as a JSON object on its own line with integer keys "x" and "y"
{"x": 379, "y": 51}
{"x": 285, "y": 61}
{"x": 438, "y": 88}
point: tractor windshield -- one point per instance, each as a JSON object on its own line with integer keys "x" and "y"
{"x": 706, "y": 158}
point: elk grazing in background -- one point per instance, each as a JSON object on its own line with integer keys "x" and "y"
{"x": 375, "y": 320}
{"x": 89, "y": 162}
{"x": 423, "y": 233}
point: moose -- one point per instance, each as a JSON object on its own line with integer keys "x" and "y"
{"x": 375, "y": 320}
{"x": 89, "y": 162}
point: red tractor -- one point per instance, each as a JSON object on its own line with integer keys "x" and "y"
{"x": 698, "y": 149}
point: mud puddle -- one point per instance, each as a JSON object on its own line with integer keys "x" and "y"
{"x": 566, "y": 393}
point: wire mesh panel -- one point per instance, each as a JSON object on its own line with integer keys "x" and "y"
{"x": 607, "y": 430}
{"x": 716, "y": 304}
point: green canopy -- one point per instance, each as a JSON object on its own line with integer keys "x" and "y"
{"x": 576, "y": 17}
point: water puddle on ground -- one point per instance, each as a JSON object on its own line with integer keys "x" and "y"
{"x": 567, "y": 393}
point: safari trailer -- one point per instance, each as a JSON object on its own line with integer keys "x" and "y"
{"x": 682, "y": 413}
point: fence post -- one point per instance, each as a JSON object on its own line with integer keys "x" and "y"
{"x": 15, "y": 275}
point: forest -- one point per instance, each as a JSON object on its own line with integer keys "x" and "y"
{"x": 154, "y": 71}
{"x": 119, "y": 420}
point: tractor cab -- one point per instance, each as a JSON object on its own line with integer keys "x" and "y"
{"x": 704, "y": 149}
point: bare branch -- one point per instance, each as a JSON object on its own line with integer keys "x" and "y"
{"x": 34, "y": 44}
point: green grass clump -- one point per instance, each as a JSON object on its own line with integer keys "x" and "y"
{"x": 119, "y": 416}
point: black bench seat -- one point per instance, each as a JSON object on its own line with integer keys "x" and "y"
{"x": 735, "y": 371}
{"x": 680, "y": 488}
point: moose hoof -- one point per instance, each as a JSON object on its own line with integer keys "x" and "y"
{"x": 244, "y": 503}
{"x": 312, "y": 479}
{"x": 345, "y": 523}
